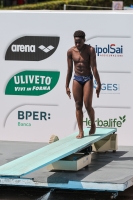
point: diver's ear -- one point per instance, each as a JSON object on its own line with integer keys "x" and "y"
{"x": 84, "y": 39}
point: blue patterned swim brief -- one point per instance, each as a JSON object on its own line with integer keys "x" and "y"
{"x": 82, "y": 79}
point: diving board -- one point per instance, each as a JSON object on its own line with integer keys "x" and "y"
{"x": 52, "y": 153}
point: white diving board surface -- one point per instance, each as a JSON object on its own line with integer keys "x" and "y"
{"x": 52, "y": 153}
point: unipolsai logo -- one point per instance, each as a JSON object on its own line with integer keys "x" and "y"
{"x": 110, "y": 88}
{"x": 111, "y": 50}
{"x": 32, "y": 48}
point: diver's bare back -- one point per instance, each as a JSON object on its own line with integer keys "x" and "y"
{"x": 81, "y": 60}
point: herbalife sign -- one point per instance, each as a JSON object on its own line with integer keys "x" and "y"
{"x": 116, "y": 122}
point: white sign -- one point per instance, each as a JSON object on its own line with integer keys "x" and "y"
{"x": 117, "y": 5}
{"x": 33, "y": 63}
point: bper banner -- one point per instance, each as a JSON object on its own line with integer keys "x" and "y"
{"x": 33, "y": 57}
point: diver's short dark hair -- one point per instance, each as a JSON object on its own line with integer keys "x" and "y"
{"x": 79, "y": 33}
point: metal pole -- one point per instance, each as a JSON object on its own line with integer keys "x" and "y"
{"x": 64, "y": 6}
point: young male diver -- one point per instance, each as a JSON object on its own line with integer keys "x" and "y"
{"x": 84, "y": 58}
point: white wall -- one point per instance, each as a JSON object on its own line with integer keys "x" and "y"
{"x": 113, "y": 108}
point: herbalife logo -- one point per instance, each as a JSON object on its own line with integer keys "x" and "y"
{"x": 111, "y": 123}
{"x": 46, "y": 49}
{"x": 30, "y": 48}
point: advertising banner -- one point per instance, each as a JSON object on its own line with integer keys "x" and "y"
{"x": 33, "y": 61}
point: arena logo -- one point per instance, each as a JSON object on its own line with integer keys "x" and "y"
{"x": 108, "y": 87}
{"x": 32, "y": 48}
{"x": 23, "y": 48}
{"x": 46, "y": 49}
{"x": 111, "y": 50}
{"x": 110, "y": 123}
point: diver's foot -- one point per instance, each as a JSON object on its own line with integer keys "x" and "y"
{"x": 92, "y": 129}
{"x": 80, "y": 135}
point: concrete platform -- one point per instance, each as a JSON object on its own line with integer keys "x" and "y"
{"x": 107, "y": 172}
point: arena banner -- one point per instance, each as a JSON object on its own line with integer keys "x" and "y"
{"x": 33, "y": 63}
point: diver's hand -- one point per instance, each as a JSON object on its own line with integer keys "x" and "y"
{"x": 98, "y": 89}
{"x": 68, "y": 92}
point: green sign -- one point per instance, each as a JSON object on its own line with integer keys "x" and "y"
{"x": 32, "y": 83}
